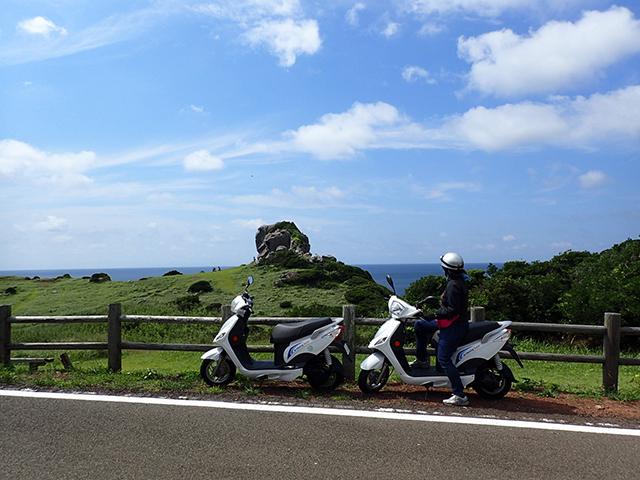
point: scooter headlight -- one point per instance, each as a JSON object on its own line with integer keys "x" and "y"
{"x": 396, "y": 309}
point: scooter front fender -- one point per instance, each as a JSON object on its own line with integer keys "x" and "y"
{"x": 213, "y": 354}
{"x": 375, "y": 361}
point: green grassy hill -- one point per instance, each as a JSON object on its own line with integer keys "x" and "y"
{"x": 300, "y": 292}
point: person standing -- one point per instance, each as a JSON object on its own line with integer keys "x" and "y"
{"x": 452, "y": 319}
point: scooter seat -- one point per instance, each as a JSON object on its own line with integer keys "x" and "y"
{"x": 476, "y": 331}
{"x": 285, "y": 332}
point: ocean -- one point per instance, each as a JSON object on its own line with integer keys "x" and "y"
{"x": 403, "y": 274}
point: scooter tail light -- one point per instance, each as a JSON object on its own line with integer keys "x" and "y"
{"x": 340, "y": 330}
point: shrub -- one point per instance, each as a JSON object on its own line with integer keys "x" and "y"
{"x": 200, "y": 287}
{"x": 99, "y": 278}
{"x": 187, "y": 303}
{"x": 172, "y": 272}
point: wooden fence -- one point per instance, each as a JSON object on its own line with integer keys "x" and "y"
{"x": 611, "y": 332}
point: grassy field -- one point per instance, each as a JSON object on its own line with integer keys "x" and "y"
{"x": 161, "y": 296}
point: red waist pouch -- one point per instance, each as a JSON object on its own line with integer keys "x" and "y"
{"x": 445, "y": 322}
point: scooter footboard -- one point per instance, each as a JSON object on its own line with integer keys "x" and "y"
{"x": 375, "y": 361}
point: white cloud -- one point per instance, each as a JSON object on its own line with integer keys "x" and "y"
{"x": 431, "y": 29}
{"x": 203, "y": 161}
{"x": 485, "y": 8}
{"x": 391, "y": 29}
{"x": 508, "y": 238}
{"x": 20, "y": 161}
{"x": 509, "y": 126}
{"x": 298, "y": 197}
{"x": 40, "y": 26}
{"x": 352, "y": 17}
{"x": 52, "y": 224}
{"x": 246, "y": 11}
{"x": 248, "y": 224}
{"x": 286, "y": 39}
{"x": 341, "y": 135}
{"x": 575, "y": 123}
{"x": 593, "y": 179}
{"x": 413, "y": 73}
{"x": 560, "y": 55}
{"x": 113, "y": 29}
{"x": 324, "y": 196}
{"x": 442, "y": 190}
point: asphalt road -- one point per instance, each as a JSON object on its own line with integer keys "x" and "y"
{"x": 59, "y": 438}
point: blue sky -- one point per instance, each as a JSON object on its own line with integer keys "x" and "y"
{"x": 145, "y": 133}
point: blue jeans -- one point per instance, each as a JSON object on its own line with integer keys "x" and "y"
{"x": 450, "y": 338}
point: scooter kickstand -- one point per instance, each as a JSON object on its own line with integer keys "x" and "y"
{"x": 426, "y": 394}
{"x": 262, "y": 379}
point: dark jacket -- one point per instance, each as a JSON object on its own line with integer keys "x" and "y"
{"x": 455, "y": 300}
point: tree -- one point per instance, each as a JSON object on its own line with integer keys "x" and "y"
{"x": 606, "y": 282}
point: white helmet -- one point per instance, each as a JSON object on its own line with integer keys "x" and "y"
{"x": 452, "y": 261}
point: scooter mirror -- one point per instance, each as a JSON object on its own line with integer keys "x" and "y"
{"x": 250, "y": 280}
{"x": 431, "y": 300}
{"x": 390, "y": 282}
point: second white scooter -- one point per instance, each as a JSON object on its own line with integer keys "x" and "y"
{"x": 300, "y": 348}
{"x": 477, "y": 358}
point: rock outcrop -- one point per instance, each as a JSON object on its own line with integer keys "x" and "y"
{"x": 279, "y": 237}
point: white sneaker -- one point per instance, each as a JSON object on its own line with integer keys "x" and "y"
{"x": 456, "y": 401}
{"x": 420, "y": 364}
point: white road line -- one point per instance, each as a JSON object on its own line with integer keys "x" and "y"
{"x": 280, "y": 408}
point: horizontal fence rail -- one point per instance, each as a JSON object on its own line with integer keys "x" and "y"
{"x": 611, "y": 332}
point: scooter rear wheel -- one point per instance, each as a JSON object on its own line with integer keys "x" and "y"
{"x": 372, "y": 381}
{"x": 323, "y": 377}
{"x": 492, "y": 383}
{"x": 223, "y": 376}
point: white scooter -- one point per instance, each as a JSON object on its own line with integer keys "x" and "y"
{"x": 477, "y": 358}
{"x": 300, "y": 348}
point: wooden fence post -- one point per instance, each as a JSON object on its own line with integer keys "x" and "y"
{"x": 5, "y": 334}
{"x": 114, "y": 337}
{"x": 611, "y": 351}
{"x": 225, "y": 312}
{"x": 349, "y": 334}
{"x": 477, "y": 314}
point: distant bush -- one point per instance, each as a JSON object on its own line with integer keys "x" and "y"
{"x": 288, "y": 259}
{"x": 11, "y": 291}
{"x": 187, "y": 303}
{"x": 172, "y": 272}
{"x": 286, "y": 304}
{"x": 215, "y": 308}
{"x": 200, "y": 287}
{"x": 99, "y": 278}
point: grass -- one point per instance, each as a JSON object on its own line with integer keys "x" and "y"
{"x": 160, "y": 295}
{"x": 153, "y": 370}
{"x": 156, "y": 371}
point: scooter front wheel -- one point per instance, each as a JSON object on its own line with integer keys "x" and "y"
{"x": 217, "y": 375}
{"x": 372, "y": 381}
